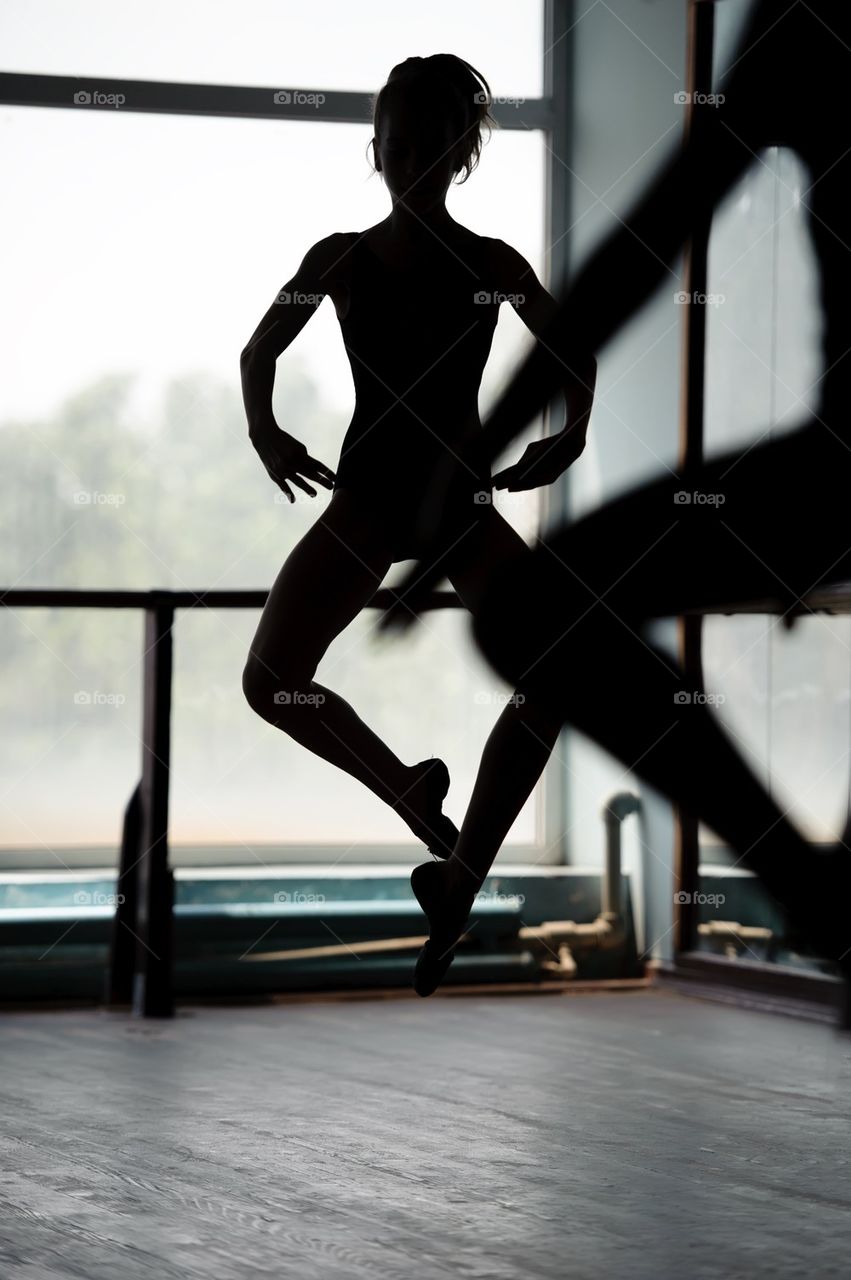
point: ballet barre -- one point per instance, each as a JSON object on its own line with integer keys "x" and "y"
{"x": 141, "y": 950}
{"x": 141, "y": 954}
{"x": 832, "y": 598}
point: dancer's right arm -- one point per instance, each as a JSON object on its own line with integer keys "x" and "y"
{"x": 284, "y": 457}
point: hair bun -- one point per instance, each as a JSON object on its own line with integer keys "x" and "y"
{"x": 460, "y": 93}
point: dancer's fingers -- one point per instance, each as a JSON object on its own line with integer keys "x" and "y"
{"x": 319, "y": 472}
{"x": 302, "y": 484}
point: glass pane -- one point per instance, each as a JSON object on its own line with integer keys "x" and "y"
{"x": 810, "y": 668}
{"x": 70, "y": 754}
{"x": 266, "y": 42}
{"x": 763, "y": 324}
{"x": 777, "y": 690}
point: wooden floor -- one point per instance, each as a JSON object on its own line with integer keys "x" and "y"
{"x": 642, "y": 1134}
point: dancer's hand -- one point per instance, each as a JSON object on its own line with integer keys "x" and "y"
{"x": 286, "y": 459}
{"x": 543, "y": 462}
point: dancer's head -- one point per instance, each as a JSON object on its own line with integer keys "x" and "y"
{"x": 428, "y": 121}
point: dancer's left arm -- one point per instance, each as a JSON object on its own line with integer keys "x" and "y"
{"x": 543, "y": 461}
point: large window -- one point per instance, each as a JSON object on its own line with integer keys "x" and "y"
{"x": 140, "y": 252}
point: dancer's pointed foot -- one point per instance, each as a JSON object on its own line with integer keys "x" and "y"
{"x": 421, "y": 807}
{"x": 447, "y": 908}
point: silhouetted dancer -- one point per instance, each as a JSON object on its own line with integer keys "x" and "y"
{"x": 571, "y": 623}
{"x": 417, "y": 298}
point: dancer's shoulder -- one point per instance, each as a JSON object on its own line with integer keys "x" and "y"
{"x": 325, "y": 263}
{"x": 325, "y": 253}
{"x": 515, "y": 280}
{"x": 509, "y": 264}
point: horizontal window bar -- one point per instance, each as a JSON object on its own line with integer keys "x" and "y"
{"x": 72, "y": 598}
{"x": 326, "y": 106}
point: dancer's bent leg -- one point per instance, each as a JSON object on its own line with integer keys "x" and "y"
{"x": 323, "y": 585}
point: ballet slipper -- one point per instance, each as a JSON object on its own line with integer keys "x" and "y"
{"x": 438, "y": 832}
{"x": 447, "y": 914}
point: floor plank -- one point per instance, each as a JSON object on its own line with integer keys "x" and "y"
{"x": 626, "y": 1134}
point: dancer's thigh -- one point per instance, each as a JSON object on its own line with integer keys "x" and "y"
{"x": 325, "y": 581}
{"x": 475, "y": 564}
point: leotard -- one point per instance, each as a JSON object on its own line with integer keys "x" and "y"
{"x": 417, "y": 340}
